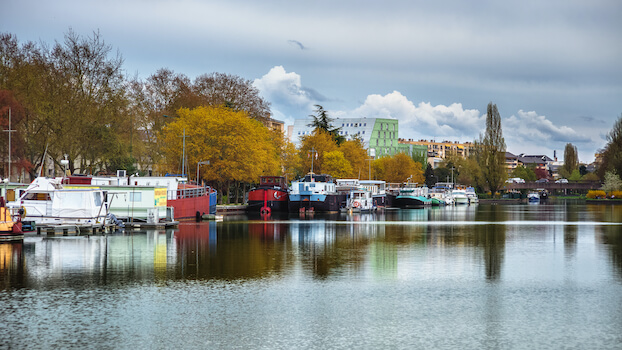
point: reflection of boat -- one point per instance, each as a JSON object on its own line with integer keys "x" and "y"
{"x": 10, "y": 224}
{"x": 359, "y": 201}
{"x": 269, "y": 196}
{"x": 316, "y": 193}
{"x": 533, "y": 197}
{"x": 411, "y": 196}
{"x": 460, "y": 197}
{"x": 470, "y": 192}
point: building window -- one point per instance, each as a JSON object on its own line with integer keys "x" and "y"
{"x": 364, "y": 124}
{"x": 363, "y": 132}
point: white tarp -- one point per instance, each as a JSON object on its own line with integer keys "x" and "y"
{"x": 77, "y": 204}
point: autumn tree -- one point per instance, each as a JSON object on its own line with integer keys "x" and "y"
{"x": 238, "y": 148}
{"x": 490, "y": 151}
{"x": 399, "y": 168}
{"x": 355, "y": 153}
{"x": 336, "y": 165}
{"x": 312, "y": 150}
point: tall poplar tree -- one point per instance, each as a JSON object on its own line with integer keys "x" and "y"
{"x": 571, "y": 160}
{"x": 490, "y": 151}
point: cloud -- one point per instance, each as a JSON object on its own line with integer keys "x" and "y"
{"x": 531, "y": 127}
{"x": 297, "y": 43}
{"x": 423, "y": 120}
{"x": 283, "y": 88}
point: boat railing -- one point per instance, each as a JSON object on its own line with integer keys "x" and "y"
{"x": 189, "y": 192}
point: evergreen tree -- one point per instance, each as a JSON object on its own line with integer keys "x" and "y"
{"x": 430, "y": 179}
{"x": 322, "y": 122}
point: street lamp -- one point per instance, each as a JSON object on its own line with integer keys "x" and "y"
{"x": 198, "y": 165}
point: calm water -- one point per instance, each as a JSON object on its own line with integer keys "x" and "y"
{"x": 479, "y": 277}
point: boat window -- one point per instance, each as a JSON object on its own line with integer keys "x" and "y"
{"x": 135, "y": 196}
{"x": 37, "y": 197}
{"x": 98, "y": 199}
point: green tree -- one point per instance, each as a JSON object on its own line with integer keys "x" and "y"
{"x": 430, "y": 178}
{"x": 612, "y": 182}
{"x": 524, "y": 173}
{"x": 490, "y": 151}
{"x": 321, "y": 121}
{"x": 575, "y": 176}
{"x": 612, "y": 153}
{"x": 571, "y": 160}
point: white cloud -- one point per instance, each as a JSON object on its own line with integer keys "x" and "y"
{"x": 423, "y": 120}
{"x": 531, "y": 127}
{"x": 281, "y": 87}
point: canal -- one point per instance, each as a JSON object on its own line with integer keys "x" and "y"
{"x": 477, "y": 277}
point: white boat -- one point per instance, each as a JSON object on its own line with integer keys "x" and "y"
{"x": 47, "y": 202}
{"x": 378, "y": 189}
{"x": 533, "y": 197}
{"x": 460, "y": 196}
{"x": 470, "y": 192}
{"x": 360, "y": 201}
{"x": 441, "y": 192}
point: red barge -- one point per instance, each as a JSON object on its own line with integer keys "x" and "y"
{"x": 270, "y": 195}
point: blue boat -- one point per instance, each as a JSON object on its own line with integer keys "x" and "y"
{"x": 315, "y": 193}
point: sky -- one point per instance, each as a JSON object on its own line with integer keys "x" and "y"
{"x": 553, "y": 68}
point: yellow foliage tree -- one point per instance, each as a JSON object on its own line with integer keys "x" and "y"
{"x": 238, "y": 148}
{"x": 336, "y": 165}
{"x": 320, "y": 142}
{"x": 355, "y": 153}
{"x": 399, "y": 168}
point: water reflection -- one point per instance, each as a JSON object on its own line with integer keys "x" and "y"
{"x": 392, "y": 244}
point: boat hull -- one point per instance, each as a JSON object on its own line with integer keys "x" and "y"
{"x": 410, "y": 202}
{"x": 316, "y": 202}
{"x": 274, "y": 199}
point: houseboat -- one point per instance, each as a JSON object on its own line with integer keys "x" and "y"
{"x": 47, "y": 202}
{"x": 378, "y": 189}
{"x": 412, "y": 196}
{"x": 270, "y": 196}
{"x": 359, "y": 201}
{"x": 315, "y": 193}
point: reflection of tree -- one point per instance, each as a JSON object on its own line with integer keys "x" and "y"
{"x": 610, "y": 236}
{"x": 241, "y": 250}
{"x": 570, "y": 231}
{"x": 11, "y": 265}
{"x": 491, "y": 237}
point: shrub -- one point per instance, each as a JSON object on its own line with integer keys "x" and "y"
{"x": 616, "y": 194}
{"x": 596, "y": 194}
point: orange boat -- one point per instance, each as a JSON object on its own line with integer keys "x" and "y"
{"x": 10, "y": 224}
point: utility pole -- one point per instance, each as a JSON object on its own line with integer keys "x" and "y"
{"x": 311, "y": 153}
{"x": 9, "y": 131}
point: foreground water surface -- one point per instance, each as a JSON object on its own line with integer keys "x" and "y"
{"x": 486, "y": 277}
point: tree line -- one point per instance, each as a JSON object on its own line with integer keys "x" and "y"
{"x": 72, "y": 100}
